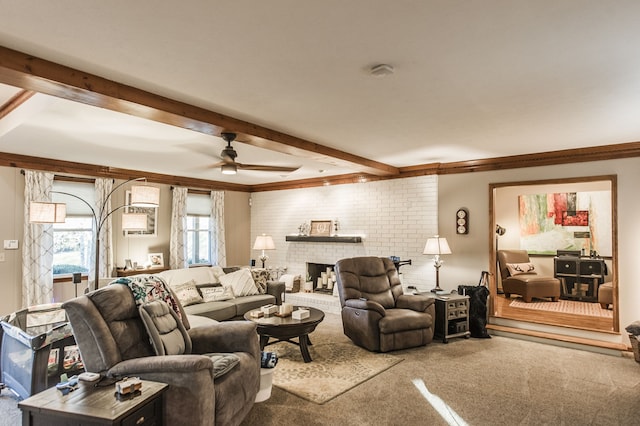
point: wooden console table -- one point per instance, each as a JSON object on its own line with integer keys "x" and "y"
{"x": 129, "y": 272}
{"x": 575, "y": 272}
{"x": 90, "y": 405}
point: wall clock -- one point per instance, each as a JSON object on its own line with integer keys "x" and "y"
{"x": 462, "y": 221}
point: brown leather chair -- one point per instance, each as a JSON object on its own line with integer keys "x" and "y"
{"x": 114, "y": 342}
{"x": 525, "y": 282}
{"x": 376, "y": 315}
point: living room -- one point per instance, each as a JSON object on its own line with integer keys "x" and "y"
{"x": 449, "y": 150}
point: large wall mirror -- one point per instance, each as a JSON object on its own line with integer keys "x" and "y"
{"x": 568, "y": 228}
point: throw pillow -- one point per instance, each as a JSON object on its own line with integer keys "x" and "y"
{"x": 187, "y": 293}
{"x": 217, "y": 273}
{"x": 520, "y": 268}
{"x": 146, "y": 288}
{"x": 260, "y": 277}
{"x": 213, "y": 294}
{"x": 222, "y": 363}
{"x": 241, "y": 282}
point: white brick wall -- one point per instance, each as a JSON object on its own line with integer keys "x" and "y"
{"x": 394, "y": 217}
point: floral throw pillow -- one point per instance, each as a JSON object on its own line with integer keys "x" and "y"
{"x": 148, "y": 288}
{"x": 260, "y": 278}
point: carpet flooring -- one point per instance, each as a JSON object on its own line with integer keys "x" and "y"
{"x": 565, "y": 306}
{"x": 336, "y": 368}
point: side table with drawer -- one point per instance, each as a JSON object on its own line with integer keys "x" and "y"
{"x": 90, "y": 405}
{"x": 452, "y": 317}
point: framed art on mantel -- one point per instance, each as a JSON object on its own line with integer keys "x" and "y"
{"x": 320, "y": 228}
{"x": 152, "y": 219}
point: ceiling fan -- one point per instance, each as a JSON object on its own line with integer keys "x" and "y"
{"x": 229, "y": 165}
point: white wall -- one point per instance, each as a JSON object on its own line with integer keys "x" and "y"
{"x": 394, "y": 217}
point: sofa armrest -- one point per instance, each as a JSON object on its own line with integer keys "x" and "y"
{"x": 276, "y": 288}
{"x": 368, "y": 305}
{"x": 175, "y": 364}
{"x": 418, "y": 302}
{"x": 226, "y": 336}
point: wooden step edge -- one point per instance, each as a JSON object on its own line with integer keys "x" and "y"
{"x": 561, "y": 338}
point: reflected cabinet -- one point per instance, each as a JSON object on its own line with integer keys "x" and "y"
{"x": 581, "y": 277}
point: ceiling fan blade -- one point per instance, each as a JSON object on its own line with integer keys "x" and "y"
{"x": 262, "y": 168}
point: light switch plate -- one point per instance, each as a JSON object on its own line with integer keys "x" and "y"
{"x": 11, "y": 244}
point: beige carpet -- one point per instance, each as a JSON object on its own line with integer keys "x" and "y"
{"x": 336, "y": 368}
{"x": 565, "y": 306}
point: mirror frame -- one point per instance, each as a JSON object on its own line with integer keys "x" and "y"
{"x": 612, "y": 180}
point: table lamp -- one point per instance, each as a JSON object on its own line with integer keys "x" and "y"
{"x": 264, "y": 242}
{"x": 437, "y": 246}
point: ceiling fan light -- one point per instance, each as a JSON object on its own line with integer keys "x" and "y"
{"x": 229, "y": 169}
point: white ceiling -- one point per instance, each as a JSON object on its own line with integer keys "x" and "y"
{"x": 473, "y": 79}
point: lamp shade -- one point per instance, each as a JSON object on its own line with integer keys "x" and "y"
{"x": 47, "y": 212}
{"x": 436, "y": 246}
{"x": 264, "y": 242}
{"x": 145, "y": 196}
{"x": 134, "y": 221}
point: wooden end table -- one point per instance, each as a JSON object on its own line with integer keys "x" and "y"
{"x": 90, "y": 405}
{"x": 283, "y": 329}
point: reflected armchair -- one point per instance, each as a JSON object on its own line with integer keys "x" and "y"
{"x": 519, "y": 277}
{"x": 375, "y": 313}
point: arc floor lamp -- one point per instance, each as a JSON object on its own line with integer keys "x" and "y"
{"x": 141, "y": 196}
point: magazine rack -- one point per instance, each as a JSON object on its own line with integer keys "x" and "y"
{"x": 37, "y": 347}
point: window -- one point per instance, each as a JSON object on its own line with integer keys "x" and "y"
{"x": 198, "y": 229}
{"x": 198, "y": 240}
{"x": 73, "y": 239}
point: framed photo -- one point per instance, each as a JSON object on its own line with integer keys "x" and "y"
{"x": 156, "y": 260}
{"x": 152, "y": 218}
{"x": 128, "y": 265}
{"x": 321, "y": 228}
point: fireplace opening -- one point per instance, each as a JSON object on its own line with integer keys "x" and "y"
{"x": 323, "y": 277}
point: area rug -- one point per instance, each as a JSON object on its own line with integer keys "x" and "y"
{"x": 565, "y": 306}
{"x": 336, "y": 368}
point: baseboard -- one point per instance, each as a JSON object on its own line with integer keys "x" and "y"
{"x": 610, "y": 348}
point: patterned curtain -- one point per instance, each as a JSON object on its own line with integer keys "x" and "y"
{"x": 103, "y": 188}
{"x": 216, "y": 224}
{"x": 37, "y": 251}
{"x": 178, "y": 243}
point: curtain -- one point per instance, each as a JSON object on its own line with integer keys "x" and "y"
{"x": 37, "y": 251}
{"x": 104, "y": 241}
{"x": 178, "y": 242}
{"x": 216, "y": 224}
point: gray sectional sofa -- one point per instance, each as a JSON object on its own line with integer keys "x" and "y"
{"x": 222, "y": 310}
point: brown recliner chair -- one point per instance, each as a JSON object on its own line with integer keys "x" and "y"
{"x": 375, "y": 313}
{"x": 113, "y": 341}
{"x": 524, "y": 280}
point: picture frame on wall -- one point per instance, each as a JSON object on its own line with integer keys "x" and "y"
{"x": 156, "y": 260}
{"x": 152, "y": 219}
{"x": 321, "y": 228}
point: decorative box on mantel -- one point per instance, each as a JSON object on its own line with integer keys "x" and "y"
{"x": 324, "y": 239}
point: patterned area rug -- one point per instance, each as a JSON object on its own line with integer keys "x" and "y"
{"x": 565, "y": 306}
{"x": 336, "y": 368}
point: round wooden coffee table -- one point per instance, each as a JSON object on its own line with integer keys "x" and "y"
{"x": 283, "y": 329}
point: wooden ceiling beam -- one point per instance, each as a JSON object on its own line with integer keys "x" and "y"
{"x": 28, "y": 72}
{"x": 13, "y": 103}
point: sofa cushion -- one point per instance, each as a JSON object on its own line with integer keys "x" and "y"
{"x": 187, "y": 293}
{"x": 219, "y": 311}
{"x": 201, "y": 275}
{"x": 166, "y": 332}
{"x": 212, "y": 294}
{"x": 241, "y": 282}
